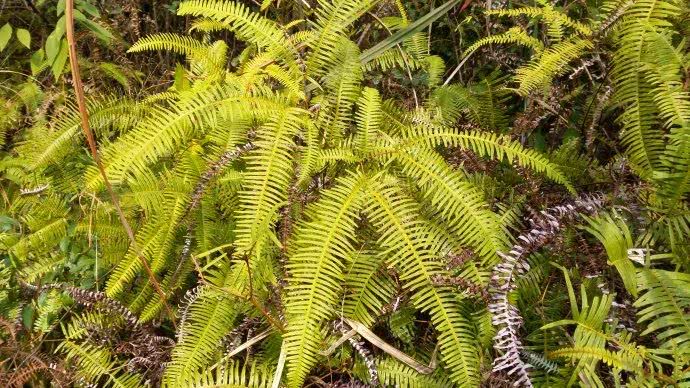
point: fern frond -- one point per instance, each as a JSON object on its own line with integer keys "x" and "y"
{"x": 393, "y": 373}
{"x": 369, "y": 287}
{"x": 514, "y": 36}
{"x": 266, "y": 180}
{"x": 167, "y": 128}
{"x": 614, "y": 234}
{"x": 342, "y": 88}
{"x": 315, "y": 270}
{"x": 551, "y": 63}
{"x": 412, "y": 247}
{"x": 368, "y": 118}
{"x": 332, "y": 20}
{"x": 179, "y": 44}
{"x": 550, "y": 15}
{"x": 457, "y": 202}
{"x": 488, "y": 145}
{"x": 619, "y": 360}
{"x": 209, "y": 318}
{"x": 96, "y": 363}
{"x": 234, "y": 374}
{"x": 249, "y": 26}
{"x": 643, "y": 142}
{"x": 480, "y": 102}
{"x": 663, "y": 306}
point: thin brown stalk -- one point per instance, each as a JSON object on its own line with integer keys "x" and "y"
{"x": 90, "y": 139}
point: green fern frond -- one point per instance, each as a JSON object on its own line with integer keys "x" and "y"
{"x": 368, "y": 287}
{"x": 393, "y": 373}
{"x": 208, "y": 319}
{"x": 552, "y": 17}
{"x": 619, "y": 360}
{"x": 480, "y": 102}
{"x": 267, "y": 178}
{"x": 643, "y": 142}
{"x": 551, "y": 63}
{"x": 514, "y": 36}
{"x": 180, "y": 44}
{"x": 40, "y": 240}
{"x": 663, "y": 306}
{"x": 457, "y": 202}
{"x": 332, "y": 20}
{"x": 315, "y": 270}
{"x": 96, "y": 363}
{"x": 368, "y": 118}
{"x": 234, "y": 374}
{"x": 167, "y": 128}
{"x": 614, "y": 234}
{"x": 342, "y": 88}
{"x": 249, "y": 26}
{"x": 412, "y": 247}
{"x": 488, "y": 145}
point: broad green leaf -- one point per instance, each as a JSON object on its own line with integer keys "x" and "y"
{"x": 60, "y": 60}
{"x": 37, "y": 61}
{"x": 5, "y": 35}
{"x": 88, "y": 8}
{"x": 78, "y": 16}
{"x": 60, "y": 7}
{"x": 101, "y": 32}
{"x": 24, "y": 37}
{"x": 52, "y": 47}
{"x": 60, "y": 27}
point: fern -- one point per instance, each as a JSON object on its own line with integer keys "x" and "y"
{"x": 614, "y": 234}
{"x": 551, "y": 63}
{"x": 644, "y": 144}
{"x": 411, "y": 244}
{"x": 662, "y": 306}
{"x": 211, "y": 315}
{"x": 96, "y": 363}
{"x": 319, "y": 248}
{"x": 309, "y": 173}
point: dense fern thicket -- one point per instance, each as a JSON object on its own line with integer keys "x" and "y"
{"x": 347, "y": 193}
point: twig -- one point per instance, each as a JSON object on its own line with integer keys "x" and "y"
{"x": 383, "y": 345}
{"x": 249, "y": 343}
{"x": 81, "y": 103}
{"x": 281, "y": 365}
{"x": 457, "y": 69}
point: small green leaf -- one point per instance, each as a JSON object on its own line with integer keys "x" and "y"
{"x": 37, "y": 60}
{"x": 60, "y": 27}
{"x": 24, "y": 37}
{"x": 52, "y": 47}
{"x": 100, "y": 32}
{"x": 88, "y": 8}
{"x": 78, "y": 16}
{"x": 60, "y": 7}
{"x": 5, "y": 35}
{"x": 60, "y": 60}
{"x": 28, "y": 316}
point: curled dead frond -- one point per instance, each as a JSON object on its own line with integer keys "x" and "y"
{"x": 506, "y": 317}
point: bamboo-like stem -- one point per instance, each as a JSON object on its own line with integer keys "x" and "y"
{"x": 90, "y": 139}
